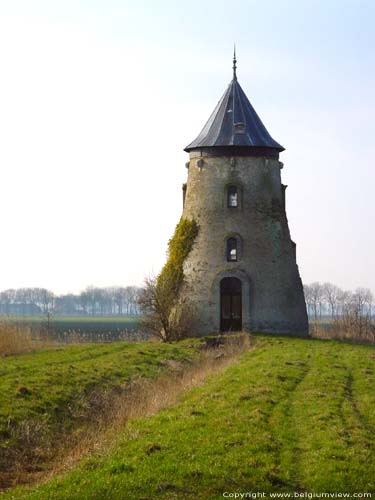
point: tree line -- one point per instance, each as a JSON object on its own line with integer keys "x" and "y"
{"x": 327, "y": 299}
{"x": 350, "y": 313}
{"x": 322, "y": 300}
{"x": 94, "y": 301}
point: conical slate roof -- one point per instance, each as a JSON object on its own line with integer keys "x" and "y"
{"x": 234, "y": 122}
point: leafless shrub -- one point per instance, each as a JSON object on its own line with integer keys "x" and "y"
{"x": 356, "y": 319}
{"x": 161, "y": 316}
{"x": 346, "y": 314}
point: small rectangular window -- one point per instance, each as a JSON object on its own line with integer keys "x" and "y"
{"x": 233, "y": 254}
{"x": 232, "y": 250}
{"x": 232, "y": 197}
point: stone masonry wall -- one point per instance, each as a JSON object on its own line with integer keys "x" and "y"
{"x": 272, "y": 293}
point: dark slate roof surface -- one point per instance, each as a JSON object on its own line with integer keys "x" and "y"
{"x": 234, "y": 122}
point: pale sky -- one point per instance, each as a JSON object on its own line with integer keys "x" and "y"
{"x": 99, "y": 98}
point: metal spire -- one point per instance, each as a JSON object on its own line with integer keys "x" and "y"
{"x": 234, "y": 123}
{"x": 234, "y": 63}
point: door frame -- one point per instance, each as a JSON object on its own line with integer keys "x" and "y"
{"x": 232, "y": 323}
{"x": 247, "y": 297}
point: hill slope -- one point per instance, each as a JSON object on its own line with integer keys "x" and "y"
{"x": 46, "y": 395}
{"x": 293, "y": 415}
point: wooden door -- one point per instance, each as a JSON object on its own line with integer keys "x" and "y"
{"x": 230, "y": 305}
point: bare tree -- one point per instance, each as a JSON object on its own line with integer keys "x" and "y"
{"x": 156, "y": 310}
{"x": 47, "y": 300}
{"x": 118, "y": 296}
{"x": 133, "y": 299}
{"x": 308, "y": 298}
{"x": 331, "y": 294}
{"x": 7, "y": 298}
{"x": 360, "y": 309}
{"x": 67, "y": 304}
{"x": 316, "y": 294}
{"x": 93, "y": 300}
{"x": 84, "y": 301}
{"x": 161, "y": 316}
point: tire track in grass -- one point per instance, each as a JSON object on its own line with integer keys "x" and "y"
{"x": 284, "y": 406}
{"x": 283, "y": 430}
{"x": 362, "y": 390}
{"x": 318, "y": 419}
{"x": 362, "y": 421}
{"x": 359, "y": 436}
{"x": 331, "y": 440}
{"x": 218, "y": 435}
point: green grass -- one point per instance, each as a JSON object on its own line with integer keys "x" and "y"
{"x": 42, "y": 393}
{"x": 292, "y": 415}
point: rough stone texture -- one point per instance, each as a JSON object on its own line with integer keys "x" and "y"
{"x": 272, "y": 293}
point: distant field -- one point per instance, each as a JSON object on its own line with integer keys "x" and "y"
{"x": 44, "y": 395}
{"x": 82, "y": 324}
{"x": 293, "y": 415}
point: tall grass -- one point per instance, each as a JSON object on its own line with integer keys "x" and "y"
{"x": 18, "y": 338}
{"x": 14, "y": 339}
{"x": 351, "y": 327}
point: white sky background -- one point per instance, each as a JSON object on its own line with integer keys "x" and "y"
{"x": 99, "y": 98}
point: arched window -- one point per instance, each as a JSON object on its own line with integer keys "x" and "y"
{"x": 232, "y": 249}
{"x": 232, "y": 197}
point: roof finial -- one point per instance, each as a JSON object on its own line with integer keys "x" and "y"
{"x": 234, "y": 63}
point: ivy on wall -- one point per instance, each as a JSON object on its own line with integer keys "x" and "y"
{"x": 171, "y": 276}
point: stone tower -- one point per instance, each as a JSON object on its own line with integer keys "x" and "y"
{"x": 241, "y": 272}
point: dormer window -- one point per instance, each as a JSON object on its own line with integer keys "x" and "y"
{"x": 232, "y": 249}
{"x": 232, "y": 197}
{"x": 239, "y": 128}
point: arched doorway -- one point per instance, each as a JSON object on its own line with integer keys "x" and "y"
{"x": 230, "y": 304}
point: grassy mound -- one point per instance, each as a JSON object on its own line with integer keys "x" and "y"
{"x": 291, "y": 416}
{"x": 46, "y": 395}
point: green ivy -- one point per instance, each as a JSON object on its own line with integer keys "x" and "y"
{"x": 171, "y": 276}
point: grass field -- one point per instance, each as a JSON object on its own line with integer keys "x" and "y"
{"x": 292, "y": 415}
{"x": 44, "y": 395}
{"x": 83, "y": 324}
